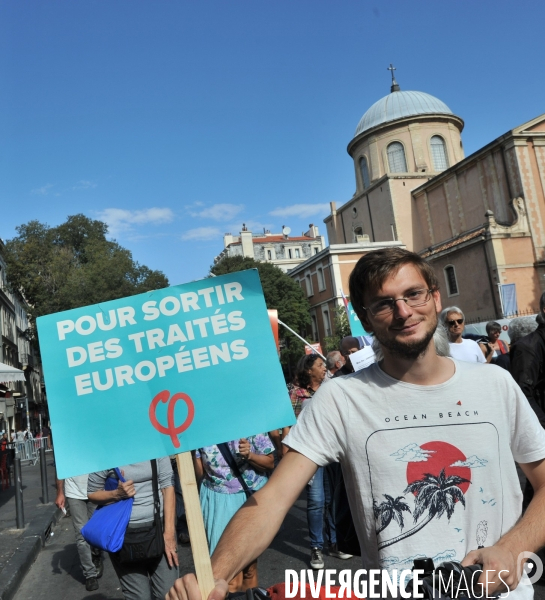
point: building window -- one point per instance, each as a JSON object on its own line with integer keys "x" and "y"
{"x": 314, "y": 327}
{"x": 289, "y": 253}
{"x": 297, "y": 253}
{"x": 308, "y": 281}
{"x": 327, "y": 323}
{"x": 452, "y": 283}
{"x": 364, "y": 170}
{"x": 269, "y": 254}
{"x": 316, "y": 249}
{"x": 396, "y": 158}
{"x": 438, "y": 153}
{"x": 321, "y": 279}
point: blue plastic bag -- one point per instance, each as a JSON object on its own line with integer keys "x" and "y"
{"x": 106, "y": 528}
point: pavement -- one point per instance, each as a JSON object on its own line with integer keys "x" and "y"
{"x": 20, "y": 547}
{"x": 57, "y": 571}
{"x": 41, "y": 561}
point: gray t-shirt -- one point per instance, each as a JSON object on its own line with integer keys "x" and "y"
{"x": 76, "y": 487}
{"x": 140, "y": 473}
{"x": 429, "y": 470}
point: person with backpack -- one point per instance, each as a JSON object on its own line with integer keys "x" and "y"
{"x": 229, "y": 474}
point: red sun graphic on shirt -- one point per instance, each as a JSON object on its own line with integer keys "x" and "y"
{"x": 441, "y": 456}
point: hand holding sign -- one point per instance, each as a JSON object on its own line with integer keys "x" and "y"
{"x": 244, "y": 449}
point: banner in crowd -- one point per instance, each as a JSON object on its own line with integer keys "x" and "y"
{"x": 162, "y": 372}
{"x": 314, "y": 348}
{"x": 273, "y": 319}
{"x": 356, "y": 328}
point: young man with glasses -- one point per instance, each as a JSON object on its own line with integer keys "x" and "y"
{"x": 460, "y": 348}
{"x": 427, "y": 447}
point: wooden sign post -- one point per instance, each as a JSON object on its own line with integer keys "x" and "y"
{"x": 195, "y": 524}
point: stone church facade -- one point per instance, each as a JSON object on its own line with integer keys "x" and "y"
{"x": 479, "y": 220}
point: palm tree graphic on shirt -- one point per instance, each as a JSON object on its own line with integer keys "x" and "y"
{"x": 438, "y": 475}
{"x": 436, "y": 494}
{"x": 391, "y": 509}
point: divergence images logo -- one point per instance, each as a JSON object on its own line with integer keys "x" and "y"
{"x": 171, "y": 430}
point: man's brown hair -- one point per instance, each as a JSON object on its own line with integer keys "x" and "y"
{"x": 375, "y": 267}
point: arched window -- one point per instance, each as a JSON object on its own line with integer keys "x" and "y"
{"x": 439, "y": 153}
{"x": 396, "y": 158}
{"x": 364, "y": 172}
{"x": 452, "y": 283}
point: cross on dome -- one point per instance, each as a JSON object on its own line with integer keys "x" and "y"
{"x": 395, "y": 86}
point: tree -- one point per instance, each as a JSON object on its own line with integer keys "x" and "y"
{"x": 282, "y": 293}
{"x": 73, "y": 265}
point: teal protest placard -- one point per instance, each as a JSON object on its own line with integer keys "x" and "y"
{"x": 356, "y": 328}
{"x": 161, "y": 373}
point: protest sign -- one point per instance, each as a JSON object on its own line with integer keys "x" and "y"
{"x": 273, "y": 318}
{"x": 362, "y": 358}
{"x": 356, "y": 328}
{"x": 313, "y": 349}
{"x": 161, "y": 373}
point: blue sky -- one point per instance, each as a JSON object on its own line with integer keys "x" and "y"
{"x": 177, "y": 121}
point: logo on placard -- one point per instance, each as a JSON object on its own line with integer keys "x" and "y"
{"x": 171, "y": 429}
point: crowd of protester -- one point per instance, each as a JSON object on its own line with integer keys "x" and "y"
{"x": 228, "y": 474}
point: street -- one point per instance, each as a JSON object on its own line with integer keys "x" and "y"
{"x": 57, "y": 570}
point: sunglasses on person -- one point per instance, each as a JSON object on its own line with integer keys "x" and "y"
{"x": 455, "y": 322}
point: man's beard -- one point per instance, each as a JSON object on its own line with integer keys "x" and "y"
{"x": 409, "y": 350}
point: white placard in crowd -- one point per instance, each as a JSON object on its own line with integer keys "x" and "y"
{"x": 362, "y": 358}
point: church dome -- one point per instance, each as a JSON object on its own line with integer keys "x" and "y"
{"x": 399, "y": 105}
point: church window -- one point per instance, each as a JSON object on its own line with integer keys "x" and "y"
{"x": 452, "y": 283}
{"x": 396, "y": 158}
{"x": 438, "y": 153}
{"x": 364, "y": 172}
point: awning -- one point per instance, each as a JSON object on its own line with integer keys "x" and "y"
{"x": 8, "y": 374}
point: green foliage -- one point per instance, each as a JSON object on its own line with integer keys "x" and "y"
{"x": 341, "y": 326}
{"x": 281, "y": 293}
{"x": 73, "y": 265}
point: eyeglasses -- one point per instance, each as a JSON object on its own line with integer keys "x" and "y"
{"x": 455, "y": 322}
{"x": 387, "y": 305}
